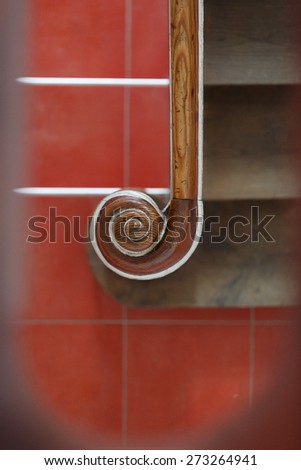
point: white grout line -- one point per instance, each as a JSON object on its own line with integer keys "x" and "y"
{"x": 124, "y": 410}
{"x": 252, "y": 356}
{"x": 150, "y": 322}
{"x": 126, "y": 136}
{"x": 128, "y": 39}
{"x": 73, "y": 81}
{"x": 101, "y": 192}
{"x": 133, "y": 322}
{"x": 126, "y": 182}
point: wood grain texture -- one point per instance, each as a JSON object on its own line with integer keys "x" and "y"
{"x": 251, "y": 42}
{"x": 250, "y": 143}
{"x": 158, "y": 251}
{"x": 223, "y": 273}
{"x": 184, "y": 46}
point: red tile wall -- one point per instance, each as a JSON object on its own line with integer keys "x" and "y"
{"x": 88, "y": 359}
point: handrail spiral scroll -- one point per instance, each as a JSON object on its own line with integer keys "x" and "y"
{"x": 130, "y": 234}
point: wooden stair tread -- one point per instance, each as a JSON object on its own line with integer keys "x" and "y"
{"x": 249, "y": 143}
{"x": 221, "y": 274}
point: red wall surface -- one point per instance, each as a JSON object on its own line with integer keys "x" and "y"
{"x": 89, "y": 361}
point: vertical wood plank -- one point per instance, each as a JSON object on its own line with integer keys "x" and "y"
{"x": 184, "y": 32}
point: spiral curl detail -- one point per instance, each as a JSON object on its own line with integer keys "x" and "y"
{"x": 130, "y": 221}
{"x": 135, "y": 239}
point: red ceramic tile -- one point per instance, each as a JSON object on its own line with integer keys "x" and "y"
{"x": 76, "y": 38}
{"x": 59, "y": 283}
{"x": 183, "y": 378}
{"x": 149, "y": 138}
{"x": 191, "y": 314}
{"x": 74, "y": 373}
{"x": 150, "y": 38}
{"x": 277, "y": 313}
{"x": 272, "y": 346}
{"x": 75, "y": 136}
